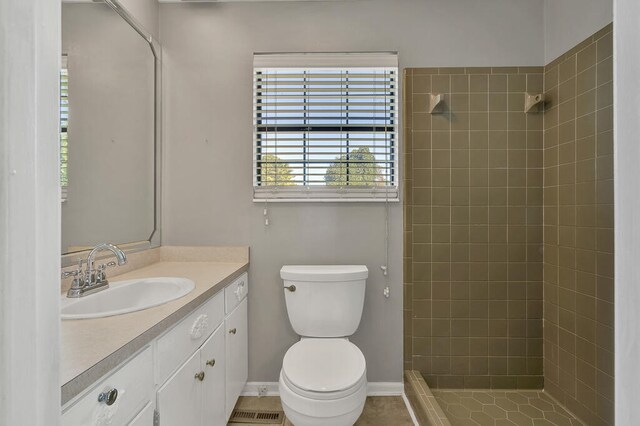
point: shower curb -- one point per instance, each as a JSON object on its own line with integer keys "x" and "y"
{"x": 424, "y": 404}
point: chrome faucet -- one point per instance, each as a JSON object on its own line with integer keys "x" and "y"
{"x": 93, "y": 280}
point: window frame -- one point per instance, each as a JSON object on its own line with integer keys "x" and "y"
{"x": 318, "y": 193}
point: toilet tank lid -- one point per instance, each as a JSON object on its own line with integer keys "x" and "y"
{"x": 324, "y": 272}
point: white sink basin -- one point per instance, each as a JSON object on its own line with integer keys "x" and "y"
{"x": 126, "y": 296}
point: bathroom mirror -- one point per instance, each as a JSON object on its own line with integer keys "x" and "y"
{"x": 110, "y": 132}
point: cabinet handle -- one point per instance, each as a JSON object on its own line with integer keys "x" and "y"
{"x": 200, "y": 376}
{"x": 211, "y": 362}
{"x": 108, "y": 396}
{"x": 233, "y": 331}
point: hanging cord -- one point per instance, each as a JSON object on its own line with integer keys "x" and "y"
{"x": 385, "y": 269}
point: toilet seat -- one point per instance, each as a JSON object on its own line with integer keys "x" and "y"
{"x": 324, "y": 368}
{"x": 323, "y": 382}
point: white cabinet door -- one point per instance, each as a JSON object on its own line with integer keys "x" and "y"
{"x": 180, "y": 398}
{"x": 237, "y": 357}
{"x": 177, "y": 344}
{"x": 212, "y": 363}
{"x": 145, "y": 416}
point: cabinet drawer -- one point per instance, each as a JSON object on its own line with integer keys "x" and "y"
{"x": 235, "y": 292}
{"x": 185, "y": 338}
{"x": 134, "y": 384}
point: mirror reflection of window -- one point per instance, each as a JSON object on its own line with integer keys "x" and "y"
{"x": 64, "y": 124}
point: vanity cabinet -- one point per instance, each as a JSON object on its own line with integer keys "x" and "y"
{"x": 195, "y": 394}
{"x": 118, "y": 398}
{"x": 179, "y": 343}
{"x": 205, "y": 388}
{"x": 145, "y": 417}
{"x": 213, "y": 363}
{"x": 180, "y": 398}
{"x": 192, "y": 374}
{"x": 236, "y": 355}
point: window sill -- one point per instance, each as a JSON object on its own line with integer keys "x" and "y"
{"x": 326, "y": 200}
{"x": 325, "y": 195}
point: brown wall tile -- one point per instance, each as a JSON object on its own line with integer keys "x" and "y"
{"x": 581, "y": 117}
{"x": 487, "y": 187}
{"x": 470, "y": 182}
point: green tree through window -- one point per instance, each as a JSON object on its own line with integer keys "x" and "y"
{"x": 359, "y": 169}
{"x": 274, "y": 172}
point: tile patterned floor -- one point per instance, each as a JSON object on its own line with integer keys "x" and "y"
{"x": 378, "y": 410}
{"x": 502, "y": 408}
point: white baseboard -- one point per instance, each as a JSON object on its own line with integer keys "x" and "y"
{"x": 373, "y": 388}
{"x": 385, "y": 388}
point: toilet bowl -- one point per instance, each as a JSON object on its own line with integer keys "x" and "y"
{"x": 323, "y": 381}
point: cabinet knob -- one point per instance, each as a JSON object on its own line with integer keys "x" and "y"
{"x": 233, "y": 331}
{"x": 211, "y": 362}
{"x": 108, "y": 396}
{"x": 200, "y": 376}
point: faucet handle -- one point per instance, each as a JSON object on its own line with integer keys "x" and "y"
{"x": 100, "y": 274}
{"x": 68, "y": 274}
{"x": 76, "y": 272}
{"x": 106, "y": 265}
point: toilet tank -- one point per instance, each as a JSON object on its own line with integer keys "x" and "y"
{"x": 326, "y": 300}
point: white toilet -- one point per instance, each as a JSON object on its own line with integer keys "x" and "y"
{"x": 323, "y": 380}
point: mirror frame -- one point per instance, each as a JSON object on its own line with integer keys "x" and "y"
{"x": 156, "y": 49}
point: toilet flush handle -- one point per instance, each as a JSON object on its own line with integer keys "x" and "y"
{"x": 291, "y": 288}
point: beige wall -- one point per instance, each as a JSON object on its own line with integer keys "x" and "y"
{"x": 578, "y": 229}
{"x": 473, "y": 228}
{"x": 146, "y": 12}
{"x": 208, "y": 102}
{"x": 568, "y": 22}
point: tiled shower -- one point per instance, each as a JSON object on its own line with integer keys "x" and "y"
{"x": 508, "y": 238}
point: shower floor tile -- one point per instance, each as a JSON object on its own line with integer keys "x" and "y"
{"x": 502, "y": 408}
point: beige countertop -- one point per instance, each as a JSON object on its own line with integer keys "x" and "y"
{"x": 90, "y": 348}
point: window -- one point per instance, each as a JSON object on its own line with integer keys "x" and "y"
{"x": 325, "y": 127}
{"x": 64, "y": 124}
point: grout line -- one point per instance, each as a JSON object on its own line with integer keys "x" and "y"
{"x": 431, "y": 235}
{"x": 450, "y": 223}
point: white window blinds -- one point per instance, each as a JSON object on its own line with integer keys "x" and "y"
{"x": 325, "y": 126}
{"x": 64, "y": 124}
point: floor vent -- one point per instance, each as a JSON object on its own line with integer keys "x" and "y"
{"x": 257, "y": 417}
